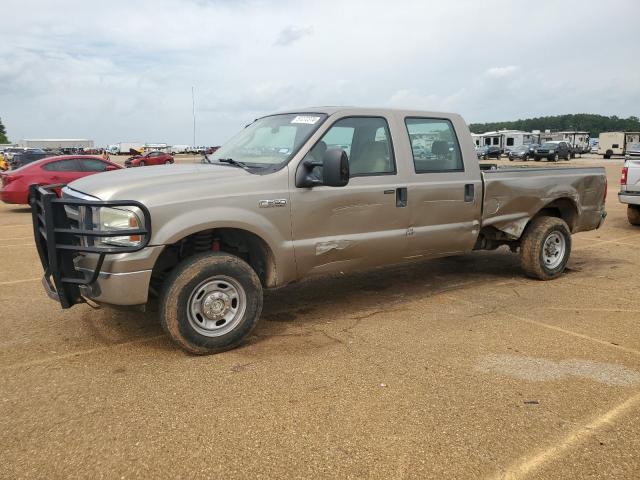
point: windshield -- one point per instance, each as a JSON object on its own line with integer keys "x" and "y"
{"x": 549, "y": 145}
{"x": 269, "y": 141}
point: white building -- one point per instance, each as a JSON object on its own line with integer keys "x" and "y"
{"x": 55, "y": 143}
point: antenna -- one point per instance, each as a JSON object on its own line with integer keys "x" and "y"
{"x": 193, "y": 112}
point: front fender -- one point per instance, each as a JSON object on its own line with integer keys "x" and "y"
{"x": 273, "y": 227}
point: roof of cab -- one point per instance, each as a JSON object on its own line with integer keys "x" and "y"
{"x": 330, "y": 110}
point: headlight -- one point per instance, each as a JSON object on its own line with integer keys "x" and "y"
{"x": 114, "y": 219}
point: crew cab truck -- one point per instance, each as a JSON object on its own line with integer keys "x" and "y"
{"x": 630, "y": 189}
{"x": 309, "y": 192}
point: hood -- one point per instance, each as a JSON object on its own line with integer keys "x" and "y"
{"x": 154, "y": 185}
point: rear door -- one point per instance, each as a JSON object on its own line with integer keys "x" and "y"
{"x": 364, "y": 224}
{"x": 444, "y": 188}
{"x": 63, "y": 171}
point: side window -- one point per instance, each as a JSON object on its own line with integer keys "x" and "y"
{"x": 366, "y": 140}
{"x": 509, "y": 141}
{"x": 93, "y": 165}
{"x": 70, "y": 165}
{"x": 438, "y": 139}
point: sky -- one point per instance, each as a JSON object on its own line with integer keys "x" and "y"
{"x": 123, "y": 70}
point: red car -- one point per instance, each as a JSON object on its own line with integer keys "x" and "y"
{"x": 149, "y": 158}
{"x": 50, "y": 170}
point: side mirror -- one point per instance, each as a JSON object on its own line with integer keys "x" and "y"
{"x": 111, "y": 167}
{"x": 335, "y": 170}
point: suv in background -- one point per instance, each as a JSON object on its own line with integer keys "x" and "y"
{"x": 490, "y": 151}
{"x": 553, "y": 151}
{"x": 23, "y": 158}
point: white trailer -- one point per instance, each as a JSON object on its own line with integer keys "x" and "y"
{"x": 505, "y": 139}
{"x": 618, "y": 143}
{"x": 124, "y": 148}
{"x": 180, "y": 148}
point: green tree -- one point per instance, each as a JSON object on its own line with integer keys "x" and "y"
{"x": 594, "y": 124}
{"x": 3, "y": 133}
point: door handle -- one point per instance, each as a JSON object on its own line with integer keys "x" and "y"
{"x": 469, "y": 192}
{"x": 401, "y": 197}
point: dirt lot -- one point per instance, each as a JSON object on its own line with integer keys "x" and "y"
{"x": 454, "y": 368}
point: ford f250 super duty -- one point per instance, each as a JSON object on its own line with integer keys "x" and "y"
{"x": 314, "y": 191}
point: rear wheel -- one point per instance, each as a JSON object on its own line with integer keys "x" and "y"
{"x": 211, "y": 303}
{"x": 545, "y": 248}
{"x": 633, "y": 214}
{"x": 608, "y": 154}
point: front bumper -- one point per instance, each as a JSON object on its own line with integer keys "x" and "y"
{"x": 631, "y": 198}
{"x": 130, "y": 288}
{"x": 63, "y": 242}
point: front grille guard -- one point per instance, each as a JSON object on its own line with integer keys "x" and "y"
{"x": 58, "y": 242}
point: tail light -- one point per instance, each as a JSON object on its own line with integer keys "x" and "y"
{"x": 623, "y": 177}
{"x": 7, "y": 179}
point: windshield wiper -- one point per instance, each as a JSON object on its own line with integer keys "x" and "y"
{"x": 233, "y": 162}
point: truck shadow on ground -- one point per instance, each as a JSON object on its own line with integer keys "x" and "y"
{"x": 312, "y": 299}
{"x": 307, "y": 305}
{"x": 19, "y": 209}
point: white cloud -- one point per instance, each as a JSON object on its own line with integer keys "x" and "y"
{"x": 290, "y": 35}
{"x": 123, "y": 70}
{"x": 499, "y": 72}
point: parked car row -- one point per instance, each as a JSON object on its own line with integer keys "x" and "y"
{"x": 550, "y": 151}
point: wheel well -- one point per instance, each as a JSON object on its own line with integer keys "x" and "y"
{"x": 563, "y": 208}
{"x": 241, "y": 243}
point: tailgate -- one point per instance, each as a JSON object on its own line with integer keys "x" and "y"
{"x": 633, "y": 176}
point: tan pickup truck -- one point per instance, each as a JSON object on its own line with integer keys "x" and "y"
{"x": 308, "y": 192}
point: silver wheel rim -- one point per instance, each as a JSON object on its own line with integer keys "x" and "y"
{"x": 553, "y": 250}
{"x": 216, "y": 306}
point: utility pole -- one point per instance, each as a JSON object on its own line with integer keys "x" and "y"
{"x": 193, "y": 112}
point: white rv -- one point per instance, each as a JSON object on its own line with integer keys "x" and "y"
{"x": 618, "y": 143}
{"x": 505, "y": 139}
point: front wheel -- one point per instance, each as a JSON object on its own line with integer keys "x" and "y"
{"x": 633, "y": 214}
{"x": 168, "y": 162}
{"x": 545, "y": 248}
{"x": 555, "y": 158}
{"x": 141, "y": 164}
{"x": 210, "y": 303}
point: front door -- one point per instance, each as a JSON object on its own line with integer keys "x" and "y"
{"x": 364, "y": 224}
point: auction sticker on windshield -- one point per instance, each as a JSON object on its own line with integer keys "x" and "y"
{"x": 305, "y": 119}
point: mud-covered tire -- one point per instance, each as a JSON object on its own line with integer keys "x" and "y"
{"x": 186, "y": 280}
{"x": 633, "y": 214}
{"x": 534, "y": 248}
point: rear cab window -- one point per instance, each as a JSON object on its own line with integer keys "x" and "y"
{"x": 434, "y": 145}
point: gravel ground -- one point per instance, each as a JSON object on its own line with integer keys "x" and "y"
{"x": 453, "y": 368}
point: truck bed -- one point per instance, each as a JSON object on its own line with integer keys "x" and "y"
{"x": 511, "y": 196}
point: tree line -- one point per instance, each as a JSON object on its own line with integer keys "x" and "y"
{"x": 3, "y": 133}
{"x": 588, "y": 122}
